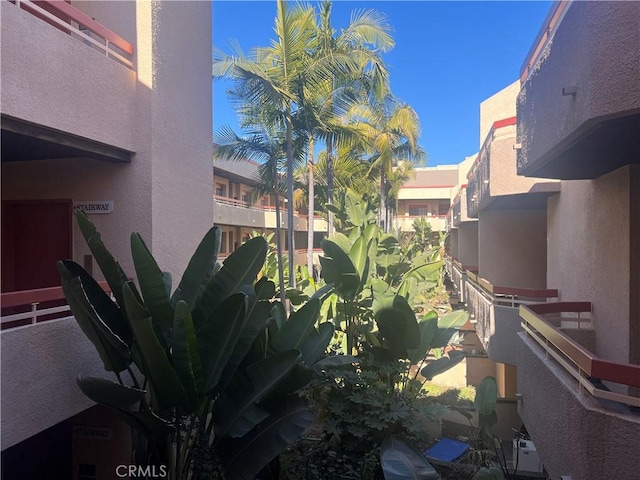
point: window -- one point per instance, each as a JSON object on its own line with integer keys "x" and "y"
{"x": 264, "y": 201}
{"x": 245, "y": 197}
{"x": 418, "y": 211}
{"x": 220, "y": 190}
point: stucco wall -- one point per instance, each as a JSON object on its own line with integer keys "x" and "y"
{"x": 180, "y": 147}
{"x": 498, "y": 107}
{"x": 468, "y": 243}
{"x": 453, "y": 242}
{"x": 589, "y": 255}
{"x": 40, "y": 364}
{"x": 512, "y": 247}
{"x": 594, "y": 49}
{"x": 92, "y": 96}
{"x": 573, "y": 434}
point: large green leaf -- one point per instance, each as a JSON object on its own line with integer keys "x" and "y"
{"x": 218, "y": 335}
{"x": 486, "y": 396}
{"x": 428, "y": 327}
{"x": 186, "y": 359}
{"x": 199, "y": 270}
{"x": 236, "y": 411}
{"x": 118, "y": 398}
{"x": 341, "y": 271}
{"x": 152, "y": 284}
{"x": 316, "y": 343}
{"x": 106, "y": 309}
{"x": 243, "y": 458}
{"x": 428, "y": 271}
{"x": 440, "y": 365}
{"x": 240, "y": 268}
{"x": 341, "y": 240}
{"x": 448, "y": 326}
{"x": 111, "y": 269}
{"x": 401, "y": 462}
{"x": 397, "y": 324}
{"x": 114, "y": 352}
{"x": 256, "y": 320}
{"x": 294, "y": 331}
{"x": 163, "y": 380}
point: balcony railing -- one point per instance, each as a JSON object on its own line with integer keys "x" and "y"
{"x": 71, "y": 20}
{"x": 549, "y": 27}
{"x": 28, "y": 307}
{"x": 509, "y": 296}
{"x": 542, "y": 321}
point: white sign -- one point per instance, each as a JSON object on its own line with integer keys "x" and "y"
{"x": 94, "y": 207}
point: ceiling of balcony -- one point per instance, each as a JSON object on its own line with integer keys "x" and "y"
{"x": 595, "y": 149}
{"x": 23, "y": 141}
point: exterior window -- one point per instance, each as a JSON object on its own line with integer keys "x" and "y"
{"x": 220, "y": 190}
{"x": 223, "y": 243}
{"x": 418, "y": 211}
{"x": 264, "y": 201}
{"x": 245, "y": 197}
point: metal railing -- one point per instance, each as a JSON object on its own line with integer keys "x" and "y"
{"x": 71, "y": 20}
{"x": 509, "y": 296}
{"x": 31, "y": 301}
{"x": 540, "y": 321}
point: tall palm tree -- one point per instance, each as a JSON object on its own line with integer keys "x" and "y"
{"x": 392, "y": 130}
{"x": 367, "y": 34}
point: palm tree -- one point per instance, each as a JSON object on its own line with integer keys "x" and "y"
{"x": 270, "y": 81}
{"x": 359, "y": 45}
{"x": 268, "y": 150}
{"x": 391, "y": 130}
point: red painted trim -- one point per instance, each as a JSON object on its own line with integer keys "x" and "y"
{"x": 626, "y": 374}
{"x": 27, "y": 297}
{"x": 505, "y": 122}
{"x": 66, "y": 12}
{"x": 559, "y": 307}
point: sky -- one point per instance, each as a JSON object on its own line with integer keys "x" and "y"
{"x": 449, "y": 57}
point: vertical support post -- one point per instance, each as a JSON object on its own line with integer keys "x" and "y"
{"x": 34, "y": 313}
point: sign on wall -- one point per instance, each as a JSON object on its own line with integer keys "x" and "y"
{"x": 94, "y": 207}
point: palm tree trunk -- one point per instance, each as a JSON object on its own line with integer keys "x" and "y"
{"x": 330, "y": 185}
{"x": 383, "y": 203}
{"x": 290, "y": 224}
{"x": 311, "y": 209}
{"x": 276, "y": 196}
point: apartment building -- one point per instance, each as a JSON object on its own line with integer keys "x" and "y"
{"x": 555, "y": 293}
{"x": 579, "y": 121}
{"x": 105, "y": 106}
{"x": 426, "y": 194}
{"x": 239, "y": 212}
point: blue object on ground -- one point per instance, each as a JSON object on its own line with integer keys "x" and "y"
{"x": 447, "y": 450}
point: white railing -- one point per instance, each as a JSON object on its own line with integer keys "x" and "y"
{"x": 73, "y": 21}
{"x": 33, "y": 301}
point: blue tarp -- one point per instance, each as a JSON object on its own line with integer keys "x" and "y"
{"x": 446, "y": 450}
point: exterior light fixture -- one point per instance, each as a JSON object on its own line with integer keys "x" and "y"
{"x": 517, "y": 146}
{"x": 570, "y": 90}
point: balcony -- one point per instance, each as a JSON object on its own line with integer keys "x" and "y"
{"x": 493, "y": 181}
{"x": 92, "y": 99}
{"x": 589, "y": 426}
{"x": 404, "y": 223}
{"x": 41, "y": 359}
{"x": 459, "y": 208}
{"x": 495, "y": 311}
{"x": 228, "y": 211}
{"x": 578, "y": 109}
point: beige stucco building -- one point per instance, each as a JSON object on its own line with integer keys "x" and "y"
{"x": 105, "y": 105}
{"x": 556, "y": 192}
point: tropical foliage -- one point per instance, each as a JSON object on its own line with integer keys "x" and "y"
{"x": 212, "y": 367}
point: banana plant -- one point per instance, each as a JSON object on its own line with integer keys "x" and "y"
{"x": 196, "y": 368}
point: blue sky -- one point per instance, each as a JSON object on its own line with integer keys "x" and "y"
{"x": 449, "y": 57}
